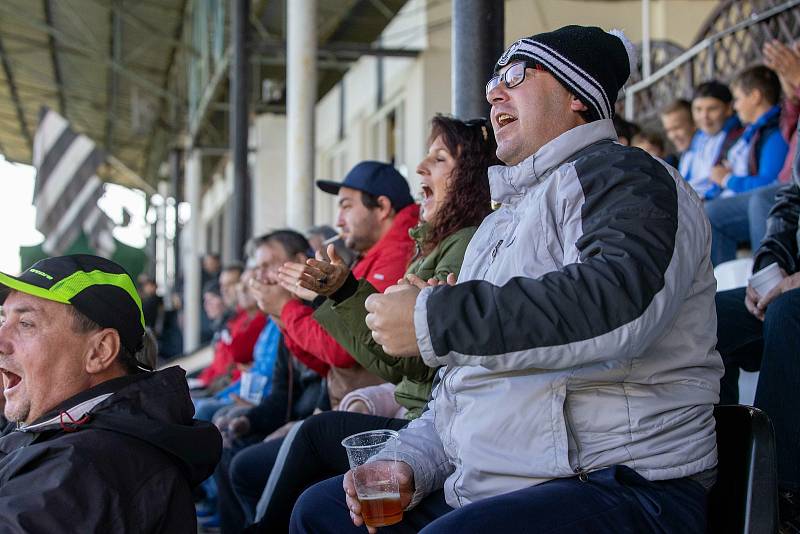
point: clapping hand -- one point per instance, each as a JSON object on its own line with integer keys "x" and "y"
{"x": 270, "y": 296}
{"x": 785, "y": 61}
{"x": 319, "y": 275}
{"x": 719, "y": 173}
{"x": 414, "y": 280}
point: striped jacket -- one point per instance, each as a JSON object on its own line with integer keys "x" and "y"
{"x": 581, "y": 333}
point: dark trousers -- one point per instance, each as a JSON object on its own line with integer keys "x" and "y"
{"x": 232, "y": 515}
{"x": 249, "y": 471}
{"x": 316, "y": 454}
{"x": 612, "y": 500}
{"x": 773, "y": 348}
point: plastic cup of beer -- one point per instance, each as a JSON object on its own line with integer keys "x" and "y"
{"x": 376, "y": 482}
{"x": 251, "y": 386}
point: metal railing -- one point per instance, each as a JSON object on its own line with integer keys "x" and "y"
{"x": 715, "y": 56}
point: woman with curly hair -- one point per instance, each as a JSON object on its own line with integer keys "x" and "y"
{"x": 455, "y": 199}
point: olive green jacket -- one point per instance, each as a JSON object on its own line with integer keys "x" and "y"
{"x": 345, "y": 323}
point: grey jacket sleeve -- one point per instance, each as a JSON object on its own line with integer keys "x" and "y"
{"x": 419, "y": 446}
{"x": 629, "y": 283}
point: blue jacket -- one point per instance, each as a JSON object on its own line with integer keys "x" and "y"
{"x": 758, "y": 156}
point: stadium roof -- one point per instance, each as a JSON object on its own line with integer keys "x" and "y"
{"x": 119, "y": 70}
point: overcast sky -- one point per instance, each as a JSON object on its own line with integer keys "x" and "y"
{"x": 18, "y": 216}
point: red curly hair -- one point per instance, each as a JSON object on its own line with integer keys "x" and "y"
{"x": 473, "y": 146}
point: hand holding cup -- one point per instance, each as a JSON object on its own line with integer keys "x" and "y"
{"x": 377, "y": 488}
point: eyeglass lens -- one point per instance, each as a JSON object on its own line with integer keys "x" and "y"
{"x": 512, "y": 77}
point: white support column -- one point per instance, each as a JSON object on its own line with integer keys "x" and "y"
{"x": 646, "y": 64}
{"x": 301, "y": 97}
{"x": 192, "y": 300}
{"x": 163, "y": 246}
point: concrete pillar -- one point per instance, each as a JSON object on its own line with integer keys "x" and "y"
{"x": 237, "y": 223}
{"x": 477, "y": 39}
{"x": 164, "y": 245}
{"x": 301, "y": 97}
{"x": 192, "y": 300}
{"x": 269, "y": 174}
{"x": 176, "y": 191}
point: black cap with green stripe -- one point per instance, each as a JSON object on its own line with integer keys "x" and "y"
{"x": 98, "y": 288}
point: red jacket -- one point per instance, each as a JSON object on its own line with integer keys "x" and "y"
{"x": 383, "y": 265}
{"x": 235, "y": 346}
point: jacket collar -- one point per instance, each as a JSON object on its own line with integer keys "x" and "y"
{"x": 404, "y": 220}
{"x": 66, "y": 417}
{"x": 506, "y": 182}
{"x": 417, "y": 233}
{"x": 77, "y": 406}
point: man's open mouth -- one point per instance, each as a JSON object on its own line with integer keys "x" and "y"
{"x": 10, "y": 380}
{"x": 504, "y": 119}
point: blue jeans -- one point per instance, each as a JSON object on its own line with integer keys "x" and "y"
{"x": 773, "y": 348}
{"x": 204, "y": 409}
{"x": 738, "y": 219}
{"x": 612, "y": 500}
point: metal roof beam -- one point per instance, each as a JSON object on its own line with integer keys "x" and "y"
{"x": 142, "y": 82}
{"x": 280, "y": 61}
{"x": 48, "y": 17}
{"x": 381, "y": 7}
{"x": 152, "y": 30}
{"x": 113, "y": 81}
{"x": 177, "y": 34}
{"x": 339, "y": 51}
{"x": 79, "y": 54}
{"x": 12, "y": 88}
{"x": 197, "y": 116}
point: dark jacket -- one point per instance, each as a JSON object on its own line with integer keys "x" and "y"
{"x": 296, "y": 391}
{"x": 781, "y": 245}
{"x": 345, "y": 322}
{"x": 120, "y": 457}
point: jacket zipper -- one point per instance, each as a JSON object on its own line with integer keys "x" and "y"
{"x": 583, "y": 475}
{"x": 417, "y": 252}
{"x": 492, "y": 256}
{"x": 495, "y": 249}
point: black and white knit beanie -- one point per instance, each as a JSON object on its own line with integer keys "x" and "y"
{"x": 591, "y": 63}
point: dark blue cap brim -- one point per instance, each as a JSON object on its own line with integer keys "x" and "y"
{"x": 329, "y": 186}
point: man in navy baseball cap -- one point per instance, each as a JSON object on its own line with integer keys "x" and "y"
{"x": 377, "y": 179}
{"x": 371, "y": 195}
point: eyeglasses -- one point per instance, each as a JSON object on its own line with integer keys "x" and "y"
{"x": 512, "y": 77}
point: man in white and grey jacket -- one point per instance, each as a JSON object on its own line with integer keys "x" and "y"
{"x": 578, "y": 346}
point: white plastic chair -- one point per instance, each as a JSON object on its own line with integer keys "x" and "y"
{"x": 733, "y": 274}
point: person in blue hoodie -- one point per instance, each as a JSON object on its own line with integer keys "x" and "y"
{"x": 751, "y": 167}
{"x": 718, "y": 128}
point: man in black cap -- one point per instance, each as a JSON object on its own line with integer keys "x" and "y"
{"x": 578, "y": 370}
{"x": 102, "y": 443}
{"x": 376, "y": 210}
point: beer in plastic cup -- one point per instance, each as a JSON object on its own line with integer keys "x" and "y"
{"x": 376, "y": 482}
{"x": 251, "y": 386}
